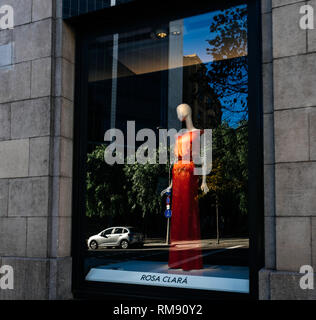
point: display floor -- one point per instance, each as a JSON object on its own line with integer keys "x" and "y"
{"x": 211, "y": 277}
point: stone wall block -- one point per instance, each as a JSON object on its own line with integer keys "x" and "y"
{"x": 295, "y": 82}
{"x": 33, "y": 41}
{"x": 30, "y": 279}
{"x": 293, "y": 243}
{"x": 267, "y": 74}
{"x": 41, "y": 77}
{"x": 36, "y": 242}
{"x": 42, "y": 9}
{"x": 15, "y": 82}
{"x": 286, "y": 286}
{"x": 291, "y": 135}
{"x": 39, "y": 156}
{"x": 4, "y": 197}
{"x": 14, "y": 158}
{"x": 268, "y": 131}
{"x": 295, "y": 189}
{"x": 278, "y": 3}
{"x": 29, "y": 197}
{"x": 312, "y": 134}
{"x": 270, "y": 242}
{"x": 267, "y": 37}
{"x": 12, "y": 237}
{"x": 5, "y": 125}
{"x": 30, "y": 118}
{"x": 64, "y": 236}
{"x": 288, "y": 38}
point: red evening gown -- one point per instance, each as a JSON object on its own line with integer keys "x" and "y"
{"x": 185, "y": 252}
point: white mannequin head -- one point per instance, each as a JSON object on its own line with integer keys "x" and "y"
{"x": 184, "y": 111}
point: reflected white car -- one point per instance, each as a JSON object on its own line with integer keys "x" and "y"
{"x": 122, "y": 237}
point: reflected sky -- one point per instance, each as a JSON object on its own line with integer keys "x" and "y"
{"x": 195, "y": 35}
{"x": 195, "y": 41}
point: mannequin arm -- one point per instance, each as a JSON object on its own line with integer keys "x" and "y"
{"x": 166, "y": 190}
{"x": 204, "y": 186}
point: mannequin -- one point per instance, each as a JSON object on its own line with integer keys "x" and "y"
{"x": 184, "y": 113}
{"x": 185, "y": 252}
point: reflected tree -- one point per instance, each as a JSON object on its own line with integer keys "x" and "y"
{"x": 228, "y": 72}
{"x": 228, "y": 181}
{"x": 228, "y": 78}
{"x": 119, "y": 190}
{"x": 142, "y": 181}
{"x": 105, "y": 186}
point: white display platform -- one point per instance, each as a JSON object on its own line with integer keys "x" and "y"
{"x": 217, "y": 278}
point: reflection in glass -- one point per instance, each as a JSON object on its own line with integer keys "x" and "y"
{"x": 142, "y": 75}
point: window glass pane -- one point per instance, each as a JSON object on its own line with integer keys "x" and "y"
{"x": 188, "y": 76}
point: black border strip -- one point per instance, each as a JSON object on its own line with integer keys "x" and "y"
{"x": 255, "y": 193}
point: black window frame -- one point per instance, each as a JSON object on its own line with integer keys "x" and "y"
{"x": 141, "y": 12}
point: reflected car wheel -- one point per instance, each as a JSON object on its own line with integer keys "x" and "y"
{"x": 93, "y": 245}
{"x": 124, "y": 244}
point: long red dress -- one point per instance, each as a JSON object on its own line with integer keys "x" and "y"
{"x": 185, "y": 252}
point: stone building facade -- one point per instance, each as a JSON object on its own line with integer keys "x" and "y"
{"x": 36, "y": 121}
{"x": 36, "y": 142}
{"x": 289, "y": 77}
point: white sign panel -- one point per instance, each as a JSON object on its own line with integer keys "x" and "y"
{"x": 170, "y": 280}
